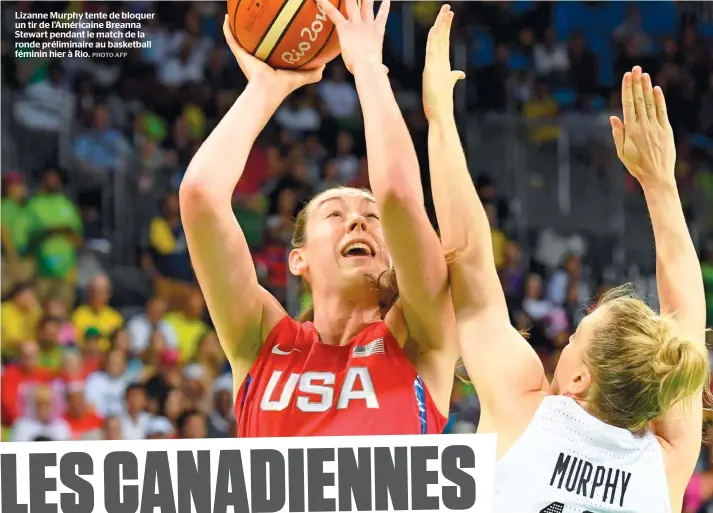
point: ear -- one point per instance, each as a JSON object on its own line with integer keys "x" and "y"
{"x": 580, "y": 384}
{"x": 298, "y": 263}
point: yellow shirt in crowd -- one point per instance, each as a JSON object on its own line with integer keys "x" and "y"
{"x": 18, "y": 326}
{"x": 500, "y": 242}
{"x": 106, "y": 320}
{"x": 188, "y": 333}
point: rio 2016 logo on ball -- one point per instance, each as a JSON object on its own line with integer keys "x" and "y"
{"x": 286, "y": 34}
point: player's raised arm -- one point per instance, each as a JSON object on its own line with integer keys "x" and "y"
{"x": 394, "y": 174}
{"x": 243, "y": 312}
{"x": 645, "y": 145}
{"x": 501, "y": 364}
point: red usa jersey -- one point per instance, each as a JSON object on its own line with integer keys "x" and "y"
{"x": 299, "y": 386}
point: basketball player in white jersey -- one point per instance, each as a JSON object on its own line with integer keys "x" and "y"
{"x": 619, "y": 428}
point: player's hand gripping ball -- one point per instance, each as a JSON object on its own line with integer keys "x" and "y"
{"x": 286, "y": 34}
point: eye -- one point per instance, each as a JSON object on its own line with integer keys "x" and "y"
{"x": 336, "y": 213}
{"x": 373, "y": 216}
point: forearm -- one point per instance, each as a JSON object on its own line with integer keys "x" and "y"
{"x": 218, "y": 165}
{"x": 392, "y": 161}
{"x": 678, "y": 271}
{"x": 454, "y": 195}
{"x": 464, "y": 227}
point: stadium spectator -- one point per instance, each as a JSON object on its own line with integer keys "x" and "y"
{"x": 83, "y": 422}
{"x": 99, "y": 150}
{"x": 570, "y": 273}
{"x": 16, "y": 266}
{"x": 96, "y": 312}
{"x": 105, "y": 388}
{"x": 166, "y": 259}
{"x": 47, "y": 104}
{"x": 629, "y": 32}
{"x": 112, "y": 428}
{"x": 92, "y": 353}
{"x": 188, "y": 324}
{"x": 55, "y": 234}
{"x": 141, "y": 326}
{"x": 160, "y": 428}
{"x": 167, "y": 376}
{"x": 551, "y": 59}
{"x": 497, "y": 235}
{"x": 19, "y": 381}
{"x": 221, "y": 419}
{"x": 192, "y": 424}
{"x": 540, "y": 114}
{"x": 135, "y": 420}
{"x": 210, "y": 355}
{"x": 50, "y": 357}
{"x": 195, "y": 387}
{"x": 42, "y": 422}
{"x": 339, "y": 96}
{"x": 19, "y": 315}
{"x": 54, "y": 307}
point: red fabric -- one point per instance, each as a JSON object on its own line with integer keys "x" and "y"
{"x": 253, "y": 176}
{"x": 17, "y": 388}
{"x": 90, "y": 421}
{"x": 301, "y": 387}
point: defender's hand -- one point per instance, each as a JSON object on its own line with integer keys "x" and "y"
{"x": 279, "y": 82}
{"x": 438, "y": 78}
{"x": 361, "y": 35}
{"x": 644, "y": 141}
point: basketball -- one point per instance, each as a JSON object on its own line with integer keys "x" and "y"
{"x": 286, "y": 34}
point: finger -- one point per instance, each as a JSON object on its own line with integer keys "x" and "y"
{"x": 457, "y": 75}
{"x": 661, "y": 112}
{"x": 618, "y": 133}
{"x": 649, "y": 98}
{"x": 383, "y": 14}
{"x": 386, "y": 69}
{"x": 332, "y": 12}
{"x": 367, "y": 10}
{"x": 238, "y": 51}
{"x": 353, "y": 10}
{"x": 627, "y": 99}
{"x": 639, "y": 104}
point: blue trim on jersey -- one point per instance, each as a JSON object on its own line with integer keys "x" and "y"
{"x": 420, "y": 392}
{"x": 248, "y": 380}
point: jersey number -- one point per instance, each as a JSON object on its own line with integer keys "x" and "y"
{"x": 557, "y": 507}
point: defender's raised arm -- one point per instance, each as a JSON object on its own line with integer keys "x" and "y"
{"x": 502, "y": 365}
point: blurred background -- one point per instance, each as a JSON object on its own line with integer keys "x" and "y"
{"x": 105, "y": 334}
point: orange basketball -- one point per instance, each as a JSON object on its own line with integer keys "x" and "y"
{"x": 287, "y": 34}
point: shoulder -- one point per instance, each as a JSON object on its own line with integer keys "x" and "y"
{"x": 114, "y": 315}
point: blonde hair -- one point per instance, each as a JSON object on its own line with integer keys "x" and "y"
{"x": 385, "y": 283}
{"x": 639, "y": 367}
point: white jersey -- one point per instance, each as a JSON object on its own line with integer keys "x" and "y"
{"x": 568, "y": 461}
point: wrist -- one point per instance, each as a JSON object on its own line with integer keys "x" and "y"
{"x": 269, "y": 93}
{"x": 655, "y": 185}
{"x": 368, "y": 65}
{"x": 441, "y": 117}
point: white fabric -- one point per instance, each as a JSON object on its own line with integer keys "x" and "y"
{"x": 565, "y": 452}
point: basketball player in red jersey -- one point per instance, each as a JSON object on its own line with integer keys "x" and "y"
{"x": 367, "y": 363}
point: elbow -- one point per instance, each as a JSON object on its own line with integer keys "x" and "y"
{"x": 194, "y": 197}
{"x": 398, "y": 190}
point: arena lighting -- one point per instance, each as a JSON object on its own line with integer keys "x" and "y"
{"x": 296, "y": 475}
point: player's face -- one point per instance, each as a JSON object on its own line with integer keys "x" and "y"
{"x": 572, "y": 376}
{"x": 344, "y": 240}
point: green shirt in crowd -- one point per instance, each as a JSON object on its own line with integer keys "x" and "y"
{"x": 15, "y": 220}
{"x": 55, "y": 253}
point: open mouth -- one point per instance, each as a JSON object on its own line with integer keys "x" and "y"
{"x": 358, "y": 249}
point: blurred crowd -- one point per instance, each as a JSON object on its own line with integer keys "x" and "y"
{"x": 84, "y": 359}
